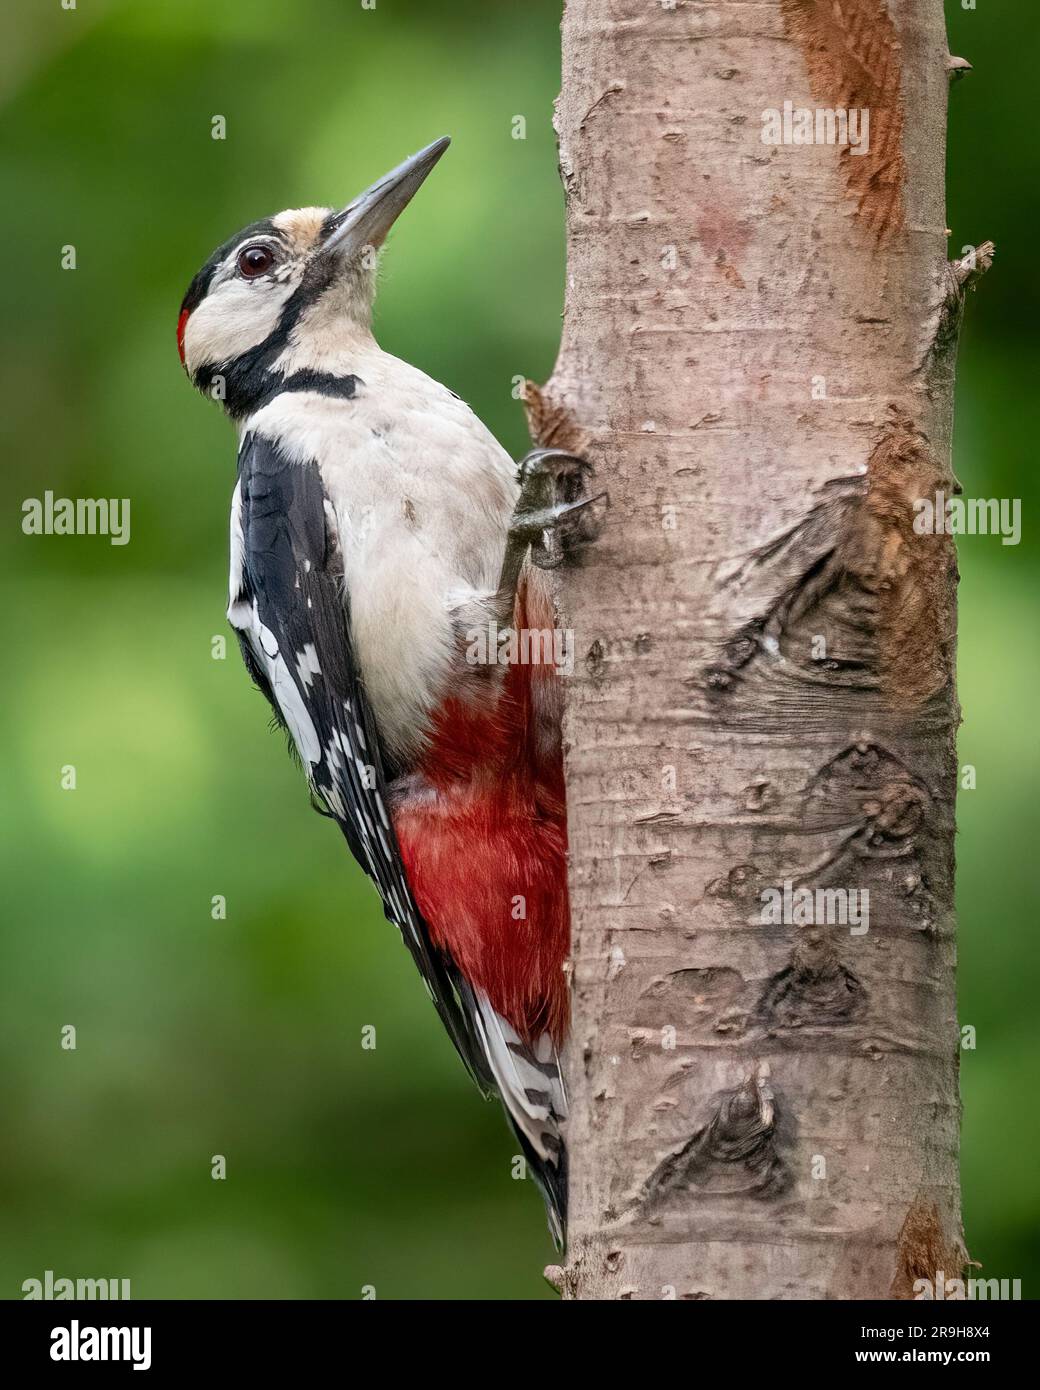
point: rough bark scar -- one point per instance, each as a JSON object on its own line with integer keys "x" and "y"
{"x": 913, "y": 572}
{"x": 923, "y": 1249}
{"x": 866, "y": 784}
{"x": 733, "y": 1154}
{"x": 703, "y": 996}
{"x": 881, "y": 808}
{"x": 856, "y": 571}
{"x": 870, "y": 796}
{"x": 852, "y": 51}
{"x": 708, "y": 984}
{"x": 957, "y": 279}
{"x": 551, "y": 425}
{"x": 815, "y": 990}
{"x": 868, "y": 792}
{"x": 798, "y": 571}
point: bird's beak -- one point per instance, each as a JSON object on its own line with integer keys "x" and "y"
{"x": 366, "y": 221}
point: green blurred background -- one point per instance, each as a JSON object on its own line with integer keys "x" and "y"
{"x": 242, "y": 1037}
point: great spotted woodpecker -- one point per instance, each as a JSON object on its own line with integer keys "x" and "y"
{"x": 376, "y": 524}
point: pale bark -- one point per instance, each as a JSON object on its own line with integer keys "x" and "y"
{"x": 758, "y": 1111}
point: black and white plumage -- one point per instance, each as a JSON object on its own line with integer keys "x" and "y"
{"x": 288, "y": 605}
{"x": 367, "y": 528}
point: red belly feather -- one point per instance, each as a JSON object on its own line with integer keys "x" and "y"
{"x": 486, "y": 857}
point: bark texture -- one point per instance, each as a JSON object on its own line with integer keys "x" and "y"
{"x": 758, "y": 359}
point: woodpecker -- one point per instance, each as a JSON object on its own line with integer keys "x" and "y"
{"x": 376, "y": 525}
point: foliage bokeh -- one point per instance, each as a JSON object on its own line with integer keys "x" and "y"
{"x": 346, "y": 1168}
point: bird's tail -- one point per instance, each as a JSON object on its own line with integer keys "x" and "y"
{"x": 528, "y": 1079}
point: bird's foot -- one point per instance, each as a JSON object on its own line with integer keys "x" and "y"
{"x": 555, "y": 512}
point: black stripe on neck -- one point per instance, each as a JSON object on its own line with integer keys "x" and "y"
{"x": 324, "y": 383}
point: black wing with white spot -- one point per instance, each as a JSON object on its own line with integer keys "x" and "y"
{"x": 288, "y": 607}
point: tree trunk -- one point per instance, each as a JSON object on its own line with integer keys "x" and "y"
{"x": 757, "y": 358}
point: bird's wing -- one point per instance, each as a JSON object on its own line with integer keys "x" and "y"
{"x": 290, "y": 610}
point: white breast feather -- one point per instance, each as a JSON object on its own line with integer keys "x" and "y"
{"x": 422, "y": 495}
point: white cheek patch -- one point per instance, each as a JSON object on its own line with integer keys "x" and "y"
{"x": 234, "y": 317}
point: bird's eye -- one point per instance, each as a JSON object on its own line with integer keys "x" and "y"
{"x": 254, "y": 261}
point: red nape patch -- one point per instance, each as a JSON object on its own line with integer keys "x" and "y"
{"x": 182, "y": 324}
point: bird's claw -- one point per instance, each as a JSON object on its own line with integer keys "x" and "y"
{"x": 555, "y": 512}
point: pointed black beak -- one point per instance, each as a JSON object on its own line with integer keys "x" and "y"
{"x": 366, "y": 221}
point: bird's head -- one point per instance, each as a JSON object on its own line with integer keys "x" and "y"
{"x": 291, "y": 291}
